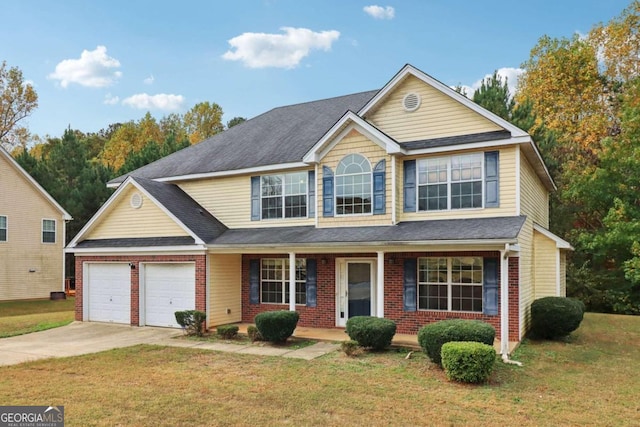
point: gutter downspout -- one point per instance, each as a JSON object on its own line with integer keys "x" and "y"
{"x": 504, "y": 306}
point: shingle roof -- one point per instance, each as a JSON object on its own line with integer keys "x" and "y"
{"x": 450, "y": 230}
{"x": 182, "y": 206}
{"x": 282, "y": 135}
{"x": 456, "y": 140}
{"x": 136, "y": 242}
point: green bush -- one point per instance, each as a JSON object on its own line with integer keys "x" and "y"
{"x": 277, "y": 326}
{"x": 227, "y": 331}
{"x": 192, "y": 321}
{"x": 371, "y": 332}
{"x": 431, "y": 337}
{"x": 555, "y": 317}
{"x": 254, "y": 334}
{"x": 468, "y": 362}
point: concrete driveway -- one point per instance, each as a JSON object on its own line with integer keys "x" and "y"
{"x": 78, "y": 338}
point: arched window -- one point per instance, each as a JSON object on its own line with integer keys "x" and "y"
{"x": 353, "y": 185}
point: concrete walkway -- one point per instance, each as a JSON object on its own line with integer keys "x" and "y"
{"x": 80, "y": 338}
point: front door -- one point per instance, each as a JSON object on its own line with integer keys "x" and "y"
{"x": 355, "y": 289}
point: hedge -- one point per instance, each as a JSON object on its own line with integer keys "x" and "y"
{"x": 555, "y": 317}
{"x": 432, "y": 336}
{"x": 277, "y": 326}
{"x": 371, "y": 332}
{"x": 468, "y": 362}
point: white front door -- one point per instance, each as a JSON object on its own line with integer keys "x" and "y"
{"x": 356, "y": 285}
{"x": 168, "y": 288}
{"x": 107, "y": 292}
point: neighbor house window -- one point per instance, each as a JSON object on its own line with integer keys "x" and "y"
{"x": 3, "y": 228}
{"x": 274, "y": 281}
{"x": 353, "y": 185}
{"x": 284, "y": 195}
{"x": 48, "y": 231}
{"x": 453, "y": 182}
{"x": 450, "y": 284}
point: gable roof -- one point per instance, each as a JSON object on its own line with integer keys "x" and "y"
{"x": 281, "y": 136}
{"x": 34, "y": 183}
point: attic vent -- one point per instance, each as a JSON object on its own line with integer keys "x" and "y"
{"x": 411, "y": 101}
{"x": 136, "y": 201}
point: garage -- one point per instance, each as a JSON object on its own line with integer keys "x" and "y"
{"x": 107, "y": 295}
{"x": 168, "y": 287}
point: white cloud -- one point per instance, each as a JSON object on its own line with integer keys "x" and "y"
{"x": 379, "y": 12}
{"x": 93, "y": 69}
{"x": 149, "y": 80}
{"x": 161, "y": 101}
{"x": 511, "y": 74}
{"x": 111, "y": 100}
{"x": 261, "y": 50}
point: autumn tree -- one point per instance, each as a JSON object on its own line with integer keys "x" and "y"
{"x": 203, "y": 121}
{"x": 17, "y": 100}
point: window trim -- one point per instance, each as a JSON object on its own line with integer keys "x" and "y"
{"x": 284, "y": 195}
{"x": 449, "y": 283}
{"x": 335, "y": 187}
{"x": 284, "y": 281}
{"x": 6, "y": 229}
{"x": 55, "y": 231}
{"x": 450, "y": 182}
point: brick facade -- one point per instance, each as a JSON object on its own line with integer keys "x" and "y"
{"x": 324, "y": 314}
{"x": 135, "y": 260}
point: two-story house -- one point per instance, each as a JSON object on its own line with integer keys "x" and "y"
{"x": 410, "y": 203}
{"x": 32, "y": 236}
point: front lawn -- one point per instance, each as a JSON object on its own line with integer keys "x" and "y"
{"x": 590, "y": 380}
{"x": 23, "y": 317}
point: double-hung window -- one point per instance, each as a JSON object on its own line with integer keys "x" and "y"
{"x": 284, "y": 195}
{"x": 274, "y": 281}
{"x": 3, "y": 228}
{"x": 450, "y": 284}
{"x": 453, "y": 182}
{"x": 48, "y": 231}
{"x": 353, "y": 185}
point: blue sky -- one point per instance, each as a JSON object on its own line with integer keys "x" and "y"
{"x": 99, "y": 62}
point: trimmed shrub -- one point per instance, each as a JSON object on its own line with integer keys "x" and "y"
{"x": 555, "y": 317}
{"x": 254, "y": 334}
{"x": 277, "y": 326}
{"x": 227, "y": 331}
{"x": 192, "y": 321}
{"x": 371, "y": 332}
{"x": 431, "y": 337}
{"x": 468, "y": 362}
{"x": 351, "y": 348}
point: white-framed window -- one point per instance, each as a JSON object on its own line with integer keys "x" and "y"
{"x": 284, "y": 195}
{"x": 353, "y": 185}
{"x": 4, "y": 228}
{"x": 450, "y": 283}
{"x": 452, "y": 182}
{"x": 48, "y": 231}
{"x": 274, "y": 281}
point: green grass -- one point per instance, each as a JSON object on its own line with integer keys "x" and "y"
{"x": 23, "y": 317}
{"x": 589, "y": 379}
{"x": 242, "y": 339}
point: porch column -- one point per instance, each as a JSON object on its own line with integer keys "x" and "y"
{"x": 504, "y": 301}
{"x": 380, "y": 286}
{"x": 292, "y": 281}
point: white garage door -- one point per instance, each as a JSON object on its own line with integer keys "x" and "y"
{"x": 108, "y": 295}
{"x": 168, "y": 288}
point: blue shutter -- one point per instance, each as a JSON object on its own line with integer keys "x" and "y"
{"x": 491, "y": 180}
{"x": 255, "y": 198}
{"x": 312, "y": 288}
{"x": 311, "y": 199}
{"x": 379, "y": 207}
{"x": 409, "y": 185}
{"x": 490, "y": 287}
{"x": 327, "y": 191}
{"x": 254, "y": 281}
{"x": 410, "y": 284}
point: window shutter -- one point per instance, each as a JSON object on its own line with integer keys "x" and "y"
{"x": 409, "y": 185}
{"x": 312, "y": 281}
{"x": 255, "y": 198}
{"x": 379, "y": 207}
{"x": 490, "y": 287}
{"x": 254, "y": 281}
{"x": 491, "y": 180}
{"x": 410, "y": 291}
{"x": 311, "y": 202}
{"x": 327, "y": 191}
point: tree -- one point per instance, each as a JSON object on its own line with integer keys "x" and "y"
{"x": 494, "y": 95}
{"x": 17, "y": 100}
{"x": 151, "y": 152}
{"x": 235, "y": 121}
{"x": 203, "y": 121}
